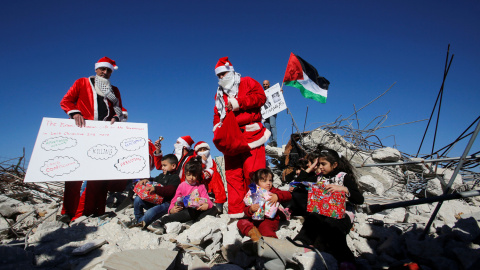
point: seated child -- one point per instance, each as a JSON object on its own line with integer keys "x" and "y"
{"x": 263, "y": 178}
{"x": 179, "y": 209}
{"x": 327, "y": 233}
{"x": 300, "y": 166}
{"x": 212, "y": 179}
{"x": 298, "y": 205}
{"x": 169, "y": 182}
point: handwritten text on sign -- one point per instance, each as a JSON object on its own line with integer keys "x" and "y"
{"x": 98, "y": 151}
{"x": 275, "y": 102}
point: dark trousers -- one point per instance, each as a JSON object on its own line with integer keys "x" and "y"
{"x": 327, "y": 234}
{"x": 188, "y": 214}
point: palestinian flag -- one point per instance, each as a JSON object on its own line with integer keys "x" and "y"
{"x": 304, "y": 76}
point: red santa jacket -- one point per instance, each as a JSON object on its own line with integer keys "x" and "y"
{"x": 246, "y": 107}
{"x": 82, "y": 98}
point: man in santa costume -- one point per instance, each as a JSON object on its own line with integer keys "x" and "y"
{"x": 92, "y": 98}
{"x": 244, "y": 96}
{"x": 212, "y": 179}
{"x": 183, "y": 151}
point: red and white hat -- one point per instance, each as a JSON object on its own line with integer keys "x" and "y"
{"x": 106, "y": 62}
{"x": 186, "y": 141}
{"x": 201, "y": 144}
{"x": 223, "y": 65}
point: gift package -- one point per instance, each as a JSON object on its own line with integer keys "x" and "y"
{"x": 194, "y": 200}
{"x": 261, "y": 197}
{"x": 325, "y": 203}
{"x": 146, "y": 195}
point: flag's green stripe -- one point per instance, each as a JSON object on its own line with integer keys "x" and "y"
{"x": 306, "y": 93}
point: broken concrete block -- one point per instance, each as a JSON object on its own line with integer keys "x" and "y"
{"x": 141, "y": 259}
{"x": 89, "y": 247}
{"x": 370, "y": 184}
{"x": 386, "y": 154}
{"x": 173, "y": 227}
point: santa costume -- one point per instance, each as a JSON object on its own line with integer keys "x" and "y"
{"x": 182, "y": 142}
{"x": 246, "y": 96}
{"x": 212, "y": 179}
{"x": 95, "y": 99}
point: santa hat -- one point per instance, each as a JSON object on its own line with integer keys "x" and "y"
{"x": 223, "y": 65}
{"x": 201, "y": 144}
{"x": 186, "y": 141}
{"x": 106, "y": 62}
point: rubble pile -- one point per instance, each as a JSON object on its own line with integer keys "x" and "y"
{"x": 31, "y": 236}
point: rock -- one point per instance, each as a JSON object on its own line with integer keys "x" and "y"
{"x": 8, "y": 211}
{"x": 447, "y": 175}
{"x": 416, "y": 167}
{"x": 368, "y": 183}
{"x": 434, "y": 187}
{"x": 386, "y": 154}
{"x": 173, "y": 227}
{"x": 395, "y": 215}
{"x": 141, "y": 259}
{"x": 86, "y": 248}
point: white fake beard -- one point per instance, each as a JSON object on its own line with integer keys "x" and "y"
{"x": 204, "y": 153}
{"x": 227, "y": 81}
{"x": 178, "y": 151}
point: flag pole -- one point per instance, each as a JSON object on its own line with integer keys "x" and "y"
{"x": 293, "y": 120}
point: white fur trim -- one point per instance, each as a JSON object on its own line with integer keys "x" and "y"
{"x": 95, "y": 104}
{"x": 235, "y": 105}
{"x": 104, "y": 64}
{"x": 159, "y": 154}
{"x": 219, "y": 124}
{"x": 239, "y": 215}
{"x": 221, "y": 69}
{"x": 210, "y": 171}
{"x": 202, "y": 145}
{"x": 252, "y": 127}
{"x": 73, "y": 111}
{"x": 260, "y": 141}
{"x": 183, "y": 143}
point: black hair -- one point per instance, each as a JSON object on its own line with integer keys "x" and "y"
{"x": 260, "y": 174}
{"x": 194, "y": 167}
{"x": 171, "y": 158}
{"x": 343, "y": 165}
{"x": 302, "y": 164}
{"x": 312, "y": 157}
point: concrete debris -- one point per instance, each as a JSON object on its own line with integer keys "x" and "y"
{"x": 391, "y": 237}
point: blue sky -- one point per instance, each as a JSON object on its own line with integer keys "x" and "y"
{"x": 167, "y": 50}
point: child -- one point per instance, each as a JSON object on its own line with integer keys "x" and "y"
{"x": 255, "y": 229}
{"x": 169, "y": 181}
{"x": 300, "y": 166}
{"x": 326, "y": 233}
{"x": 298, "y": 204}
{"x": 192, "y": 187}
{"x": 213, "y": 181}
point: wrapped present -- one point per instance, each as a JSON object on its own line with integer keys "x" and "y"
{"x": 146, "y": 195}
{"x": 194, "y": 200}
{"x": 261, "y": 197}
{"x": 325, "y": 203}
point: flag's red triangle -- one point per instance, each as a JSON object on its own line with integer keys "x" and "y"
{"x": 294, "y": 70}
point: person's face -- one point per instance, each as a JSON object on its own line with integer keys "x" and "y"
{"x": 222, "y": 74}
{"x": 202, "y": 149}
{"x": 266, "y": 182}
{"x": 266, "y": 85}
{"x": 167, "y": 166}
{"x": 190, "y": 178}
{"x": 103, "y": 72}
{"x": 325, "y": 167}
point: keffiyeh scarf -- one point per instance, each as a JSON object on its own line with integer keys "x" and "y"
{"x": 231, "y": 92}
{"x": 104, "y": 89}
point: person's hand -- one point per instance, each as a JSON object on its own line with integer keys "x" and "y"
{"x": 79, "y": 120}
{"x": 204, "y": 158}
{"x": 312, "y": 166}
{"x": 176, "y": 209}
{"x": 291, "y": 189}
{"x": 150, "y": 189}
{"x": 203, "y": 207}
{"x": 336, "y": 188}
{"x": 143, "y": 182}
{"x": 114, "y": 119}
{"x": 273, "y": 199}
{"x": 230, "y": 106}
{"x": 158, "y": 146}
{"x": 254, "y": 208}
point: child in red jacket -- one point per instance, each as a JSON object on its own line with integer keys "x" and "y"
{"x": 263, "y": 178}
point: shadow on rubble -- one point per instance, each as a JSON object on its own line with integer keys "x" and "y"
{"x": 50, "y": 247}
{"x": 447, "y": 247}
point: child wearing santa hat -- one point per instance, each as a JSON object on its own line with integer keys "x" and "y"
{"x": 212, "y": 179}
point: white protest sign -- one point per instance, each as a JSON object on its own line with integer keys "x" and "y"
{"x": 275, "y": 102}
{"x": 98, "y": 151}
